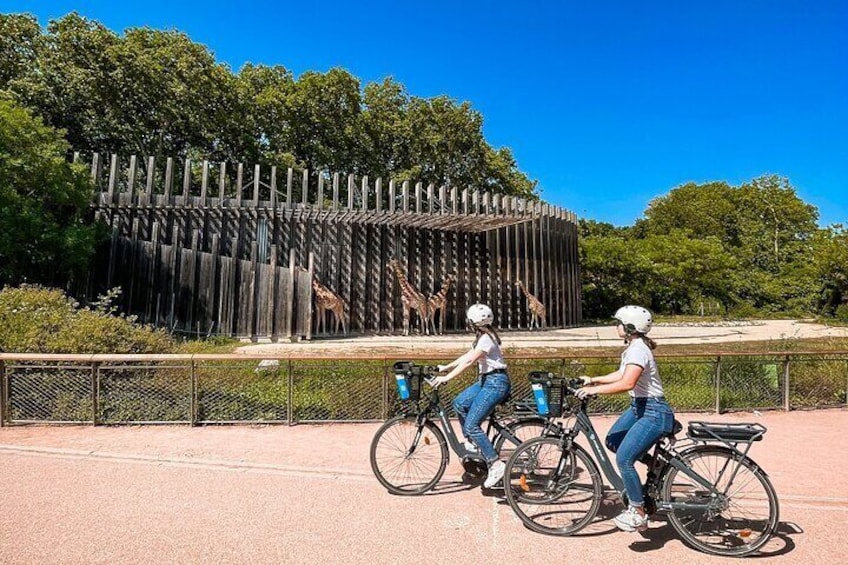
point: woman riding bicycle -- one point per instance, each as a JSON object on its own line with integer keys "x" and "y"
{"x": 649, "y": 416}
{"x": 478, "y": 401}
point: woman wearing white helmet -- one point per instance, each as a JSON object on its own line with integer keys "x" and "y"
{"x": 475, "y": 403}
{"x": 649, "y": 416}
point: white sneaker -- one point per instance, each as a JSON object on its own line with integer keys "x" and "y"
{"x": 631, "y": 521}
{"x": 469, "y": 446}
{"x": 496, "y": 473}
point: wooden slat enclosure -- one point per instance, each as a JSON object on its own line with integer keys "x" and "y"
{"x": 231, "y": 250}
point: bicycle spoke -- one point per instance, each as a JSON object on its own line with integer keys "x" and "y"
{"x": 739, "y": 520}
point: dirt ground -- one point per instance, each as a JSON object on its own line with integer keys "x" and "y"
{"x": 306, "y": 494}
{"x": 552, "y": 340}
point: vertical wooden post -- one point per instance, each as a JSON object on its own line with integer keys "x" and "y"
{"x": 351, "y": 190}
{"x": 364, "y": 203}
{"x": 289, "y": 181}
{"x": 149, "y": 188}
{"x": 113, "y": 179}
{"x": 204, "y": 184}
{"x": 169, "y": 179}
{"x": 405, "y": 190}
{"x": 418, "y": 189}
{"x": 239, "y": 184}
{"x": 320, "y": 201}
{"x": 131, "y": 179}
{"x": 95, "y": 172}
{"x": 274, "y": 188}
{"x": 291, "y": 290}
{"x": 304, "y": 191}
{"x": 186, "y": 181}
{"x": 392, "y": 196}
{"x": 257, "y": 174}
{"x": 309, "y": 302}
{"x": 378, "y": 189}
{"x": 335, "y": 191}
{"x": 222, "y": 184}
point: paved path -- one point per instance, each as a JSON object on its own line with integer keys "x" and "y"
{"x": 305, "y": 494}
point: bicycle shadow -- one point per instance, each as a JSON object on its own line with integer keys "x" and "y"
{"x": 468, "y": 481}
{"x": 655, "y": 538}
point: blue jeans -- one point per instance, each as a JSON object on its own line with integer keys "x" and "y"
{"x": 633, "y": 434}
{"x": 475, "y": 403}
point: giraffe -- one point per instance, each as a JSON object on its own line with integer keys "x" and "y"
{"x": 537, "y": 309}
{"x": 411, "y": 298}
{"x": 326, "y": 299}
{"x": 437, "y": 302}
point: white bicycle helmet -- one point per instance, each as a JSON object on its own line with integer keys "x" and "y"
{"x": 480, "y": 315}
{"x": 634, "y": 319}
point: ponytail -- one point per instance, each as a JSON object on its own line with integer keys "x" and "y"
{"x": 488, "y": 330}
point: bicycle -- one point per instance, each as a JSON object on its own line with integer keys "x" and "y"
{"x": 716, "y": 498}
{"x": 409, "y": 453}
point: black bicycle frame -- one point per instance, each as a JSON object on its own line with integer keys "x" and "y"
{"x": 584, "y": 424}
{"x": 434, "y": 405}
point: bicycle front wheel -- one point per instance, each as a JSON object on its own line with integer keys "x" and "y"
{"x": 738, "y": 521}
{"x": 553, "y": 490}
{"x": 407, "y": 458}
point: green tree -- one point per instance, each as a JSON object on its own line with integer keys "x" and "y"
{"x": 43, "y": 200}
{"x": 830, "y": 264}
{"x": 19, "y": 35}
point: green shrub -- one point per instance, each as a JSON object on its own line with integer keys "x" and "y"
{"x": 34, "y": 319}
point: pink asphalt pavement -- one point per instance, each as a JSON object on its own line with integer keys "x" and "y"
{"x": 305, "y": 494}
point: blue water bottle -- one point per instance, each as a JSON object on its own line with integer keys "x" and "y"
{"x": 402, "y": 386}
{"x": 541, "y": 398}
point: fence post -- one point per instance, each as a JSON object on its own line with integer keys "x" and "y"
{"x": 3, "y": 393}
{"x": 193, "y": 407}
{"x": 95, "y": 390}
{"x": 384, "y": 408}
{"x": 718, "y": 385}
{"x": 290, "y": 407}
{"x": 786, "y": 383}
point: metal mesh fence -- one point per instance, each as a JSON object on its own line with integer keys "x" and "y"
{"x": 242, "y": 391}
{"x": 49, "y": 393}
{"x": 147, "y": 393}
{"x": 234, "y": 389}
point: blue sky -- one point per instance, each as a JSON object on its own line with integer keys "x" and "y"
{"x": 606, "y": 104}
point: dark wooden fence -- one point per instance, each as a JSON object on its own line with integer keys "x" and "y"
{"x": 232, "y": 253}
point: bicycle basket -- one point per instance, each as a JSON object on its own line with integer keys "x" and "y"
{"x": 548, "y": 392}
{"x": 408, "y": 377}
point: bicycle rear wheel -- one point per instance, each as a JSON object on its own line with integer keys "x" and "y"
{"x": 408, "y": 459}
{"x": 738, "y": 522}
{"x": 523, "y": 430}
{"x": 553, "y": 491}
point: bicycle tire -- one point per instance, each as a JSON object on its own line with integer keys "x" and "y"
{"x": 524, "y": 429}
{"x": 560, "y": 505}
{"x": 748, "y": 516}
{"x": 404, "y": 473}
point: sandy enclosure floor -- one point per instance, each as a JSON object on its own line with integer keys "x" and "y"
{"x": 553, "y": 340}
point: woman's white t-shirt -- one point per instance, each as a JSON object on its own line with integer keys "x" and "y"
{"x": 649, "y": 384}
{"x": 493, "y": 360}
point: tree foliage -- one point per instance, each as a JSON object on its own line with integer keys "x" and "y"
{"x": 43, "y": 200}
{"x": 755, "y": 247}
{"x": 153, "y": 92}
